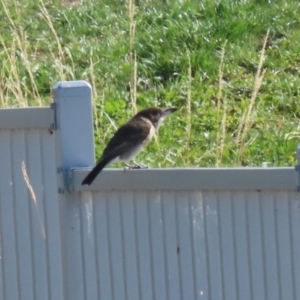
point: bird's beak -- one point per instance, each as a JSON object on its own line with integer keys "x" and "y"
{"x": 168, "y": 111}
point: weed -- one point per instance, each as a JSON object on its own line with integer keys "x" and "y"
{"x": 238, "y": 107}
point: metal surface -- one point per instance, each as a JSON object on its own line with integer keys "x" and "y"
{"x": 74, "y": 137}
{"x": 74, "y": 144}
{"x": 29, "y": 117}
{"x": 189, "y": 179}
{"x": 30, "y": 239}
{"x": 186, "y": 245}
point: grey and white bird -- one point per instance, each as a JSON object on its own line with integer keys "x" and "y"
{"x": 130, "y": 139}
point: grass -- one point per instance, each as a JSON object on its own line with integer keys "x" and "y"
{"x": 232, "y": 67}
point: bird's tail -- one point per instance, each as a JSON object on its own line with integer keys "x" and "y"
{"x": 96, "y": 170}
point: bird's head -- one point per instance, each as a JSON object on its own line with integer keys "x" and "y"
{"x": 155, "y": 114}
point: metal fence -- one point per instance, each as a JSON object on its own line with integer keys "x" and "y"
{"x": 185, "y": 234}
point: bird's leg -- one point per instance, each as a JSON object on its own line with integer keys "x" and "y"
{"x": 126, "y": 166}
{"x": 139, "y": 165}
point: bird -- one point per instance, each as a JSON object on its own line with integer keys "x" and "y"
{"x": 130, "y": 139}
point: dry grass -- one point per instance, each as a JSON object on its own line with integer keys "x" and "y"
{"x": 249, "y": 115}
{"x": 221, "y": 101}
{"x": 65, "y": 72}
{"x": 133, "y": 60}
{"x": 78, "y": 43}
{"x": 14, "y": 84}
{"x": 189, "y": 103}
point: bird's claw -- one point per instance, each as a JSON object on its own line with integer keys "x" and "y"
{"x": 139, "y": 167}
{"x": 135, "y": 167}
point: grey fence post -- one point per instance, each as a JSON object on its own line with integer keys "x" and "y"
{"x": 74, "y": 122}
{"x": 298, "y": 165}
{"x": 74, "y": 146}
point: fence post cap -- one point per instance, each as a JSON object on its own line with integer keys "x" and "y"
{"x": 73, "y": 89}
{"x": 71, "y": 84}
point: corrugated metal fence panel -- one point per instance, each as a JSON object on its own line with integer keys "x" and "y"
{"x": 161, "y": 234}
{"x": 30, "y": 246}
{"x": 186, "y": 245}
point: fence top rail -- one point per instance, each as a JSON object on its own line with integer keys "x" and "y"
{"x": 26, "y": 118}
{"x": 285, "y": 178}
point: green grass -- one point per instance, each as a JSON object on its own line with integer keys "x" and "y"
{"x": 203, "y": 58}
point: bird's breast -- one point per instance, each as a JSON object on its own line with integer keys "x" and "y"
{"x": 134, "y": 151}
{"x": 150, "y": 135}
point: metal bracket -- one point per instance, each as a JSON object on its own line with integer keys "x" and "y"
{"x": 69, "y": 180}
{"x": 297, "y": 167}
{"x": 53, "y": 125}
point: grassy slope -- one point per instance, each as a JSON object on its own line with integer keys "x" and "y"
{"x": 178, "y": 51}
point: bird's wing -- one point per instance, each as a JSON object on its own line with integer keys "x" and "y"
{"x": 127, "y": 136}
